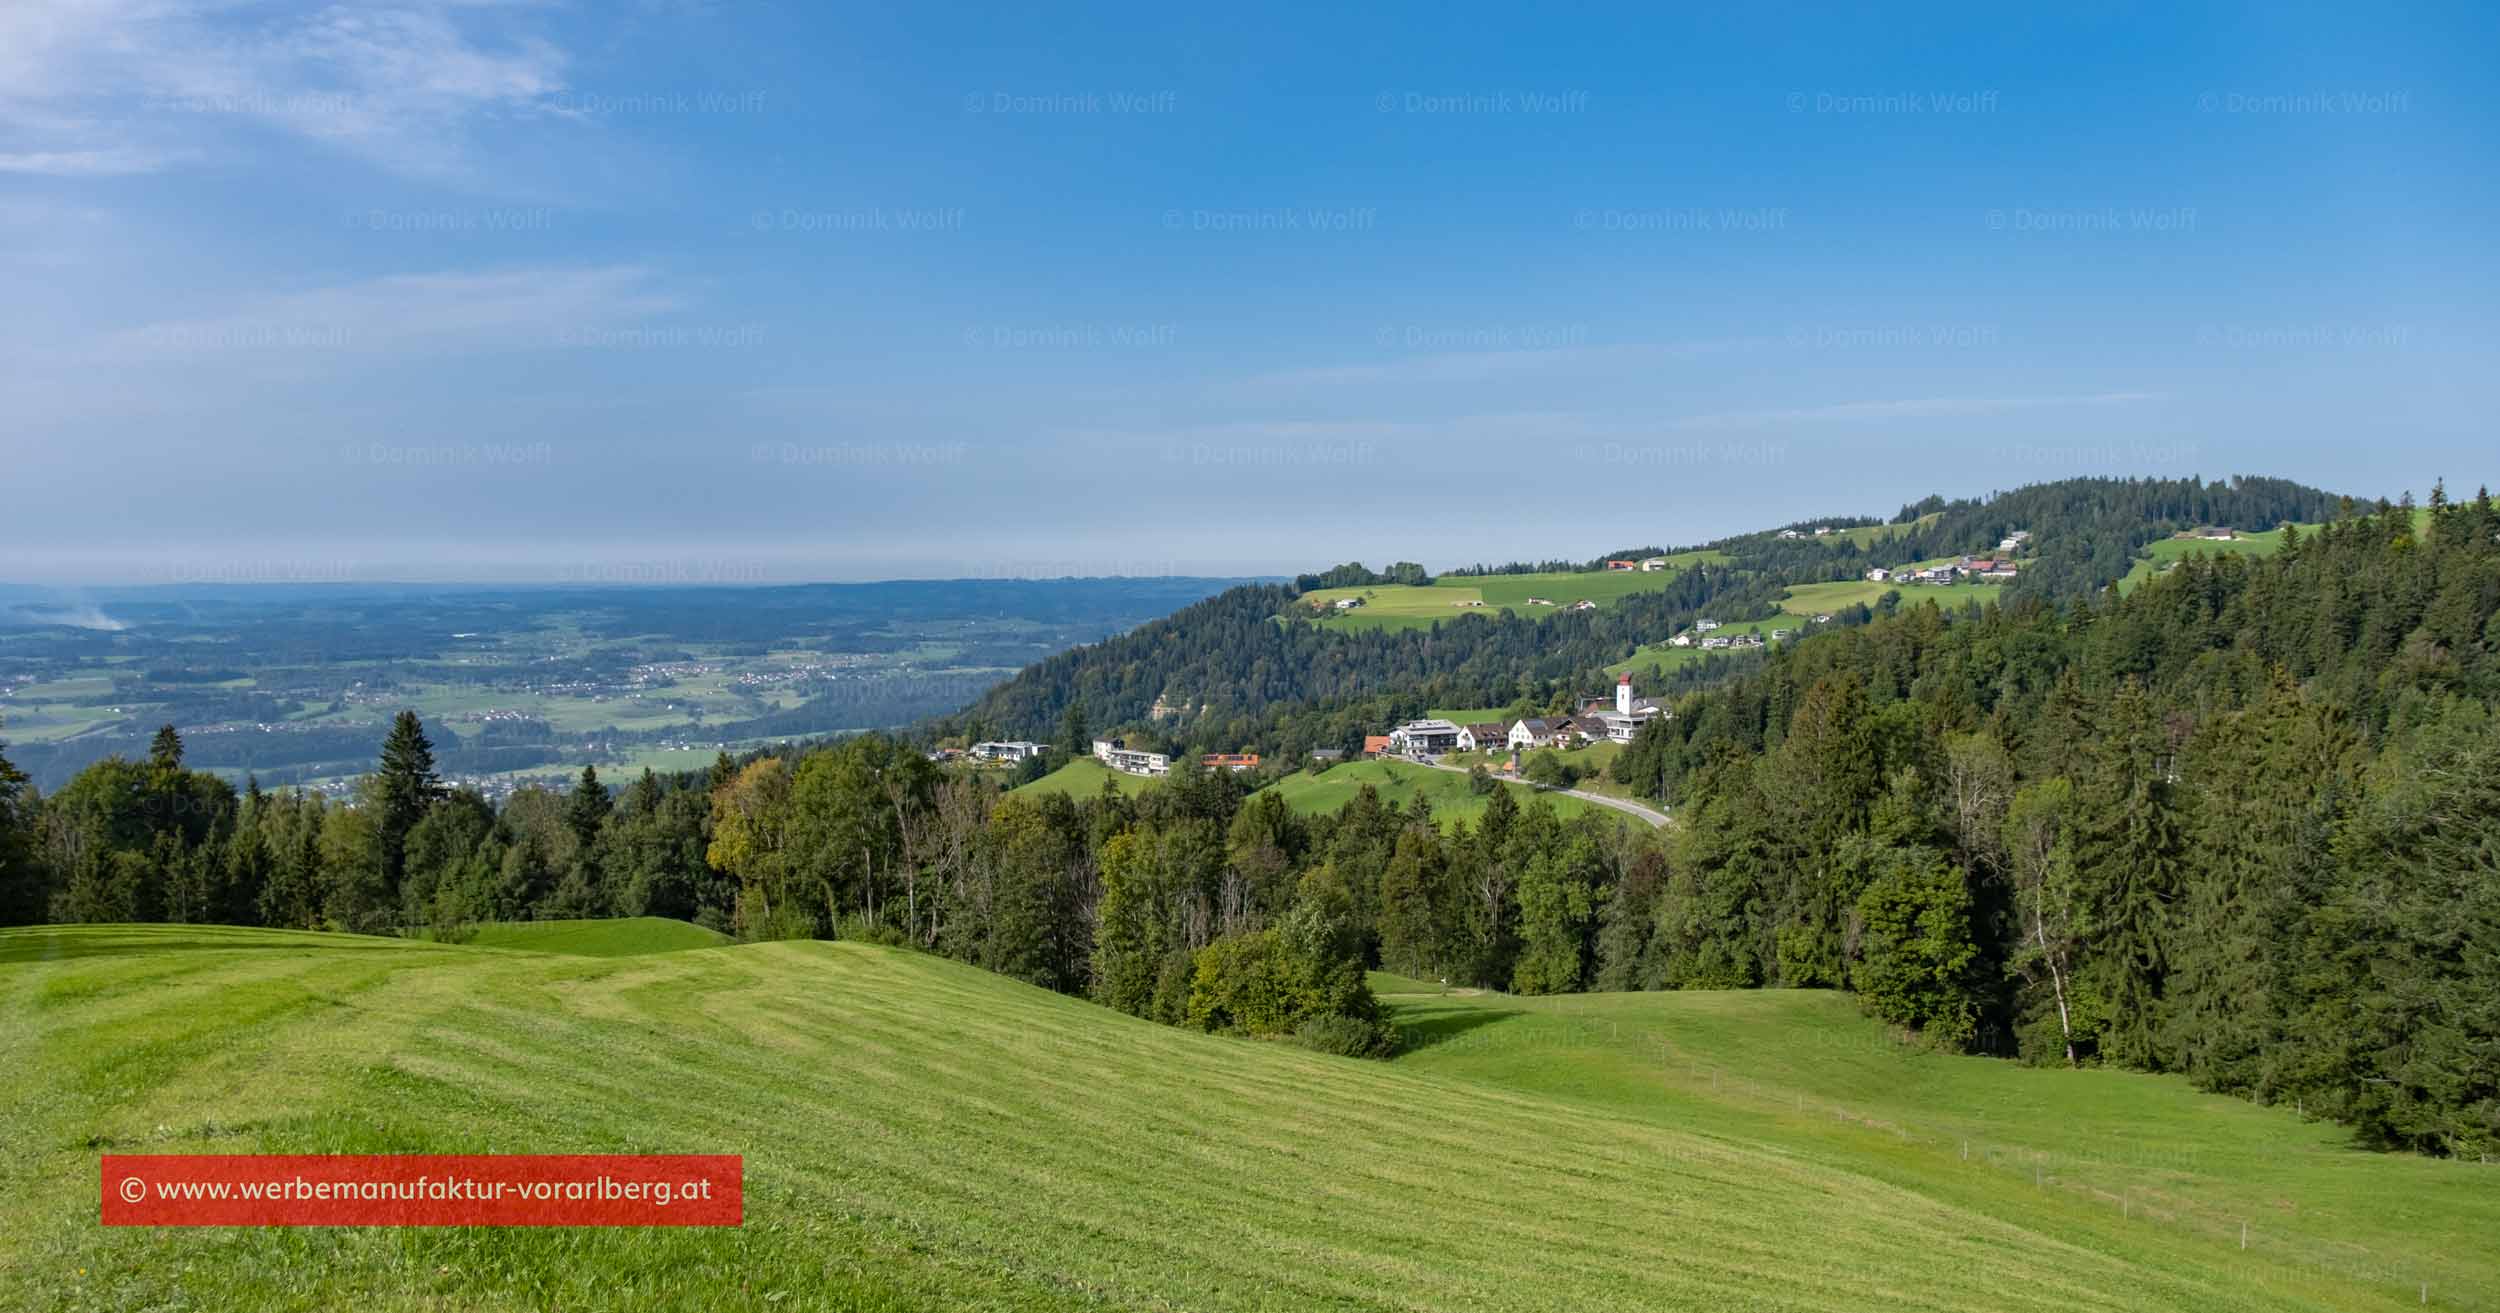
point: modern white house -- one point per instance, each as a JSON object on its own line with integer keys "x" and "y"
{"x": 1879, "y": 575}
{"x": 1653, "y": 565}
{"x": 1425, "y": 736}
{"x": 1129, "y": 761}
{"x": 1347, "y": 603}
{"x": 1705, "y": 626}
{"x": 1008, "y": 750}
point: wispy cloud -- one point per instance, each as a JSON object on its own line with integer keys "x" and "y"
{"x": 403, "y": 315}
{"x": 101, "y": 87}
{"x": 1531, "y": 357}
{"x": 1916, "y": 408}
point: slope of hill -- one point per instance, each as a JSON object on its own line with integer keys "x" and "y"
{"x": 919, "y": 1134}
{"x": 617, "y": 937}
{"x": 1238, "y": 673}
{"x": 1451, "y": 794}
{"x": 1805, "y": 1067}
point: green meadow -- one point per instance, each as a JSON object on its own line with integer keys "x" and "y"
{"x": 1450, "y": 793}
{"x": 1408, "y": 606}
{"x": 626, "y": 936}
{"x": 1083, "y": 777}
{"x": 919, "y": 1134}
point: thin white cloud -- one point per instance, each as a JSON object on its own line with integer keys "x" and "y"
{"x": 403, "y": 315}
{"x": 1531, "y": 357}
{"x": 122, "y": 86}
{"x": 102, "y": 163}
{"x": 1916, "y": 408}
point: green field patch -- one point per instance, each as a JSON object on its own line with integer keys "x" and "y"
{"x": 1084, "y": 778}
{"x": 1409, "y": 606}
{"x": 1450, "y": 793}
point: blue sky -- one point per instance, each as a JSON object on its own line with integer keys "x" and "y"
{"x": 737, "y": 292}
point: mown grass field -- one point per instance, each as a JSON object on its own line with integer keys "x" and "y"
{"x": 618, "y": 937}
{"x": 1402, "y": 782}
{"x": 2117, "y": 1162}
{"x": 922, "y": 1135}
{"x": 1406, "y": 606}
{"x": 1821, "y": 599}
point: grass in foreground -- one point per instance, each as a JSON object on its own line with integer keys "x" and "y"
{"x": 920, "y": 1134}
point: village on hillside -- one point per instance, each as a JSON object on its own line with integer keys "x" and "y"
{"x": 1595, "y": 721}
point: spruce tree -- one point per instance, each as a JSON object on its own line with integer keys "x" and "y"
{"x": 405, "y": 788}
{"x": 165, "y": 753}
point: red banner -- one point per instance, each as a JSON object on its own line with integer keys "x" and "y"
{"x": 424, "y": 1190}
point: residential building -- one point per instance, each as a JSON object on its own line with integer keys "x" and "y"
{"x": 1622, "y": 565}
{"x": 1130, "y": 761}
{"x": 1790, "y": 533}
{"x": 1684, "y": 639}
{"x": 1485, "y": 738}
{"x": 1653, "y": 565}
{"x": 1230, "y": 761}
{"x": 1705, "y": 626}
{"x": 1583, "y": 604}
{"x": 1878, "y": 575}
{"x": 1533, "y": 732}
{"x": 1430, "y": 735}
{"x": 1375, "y": 744}
{"x": 1348, "y": 603}
{"x": 1328, "y": 754}
{"x": 1008, "y": 750}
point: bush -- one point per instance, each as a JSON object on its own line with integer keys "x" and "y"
{"x": 1347, "y": 1037}
{"x": 860, "y": 929}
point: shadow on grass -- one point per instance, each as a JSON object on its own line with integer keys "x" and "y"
{"x": 66, "y": 943}
{"x": 1423, "y": 1025}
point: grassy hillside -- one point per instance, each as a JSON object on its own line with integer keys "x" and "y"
{"x": 2141, "y": 1162}
{"x": 1401, "y": 782}
{"x": 622, "y": 937}
{"x": 919, "y": 1134}
{"x": 1082, "y": 778}
{"x": 1406, "y": 606}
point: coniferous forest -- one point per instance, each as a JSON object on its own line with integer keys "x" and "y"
{"x": 2240, "y": 823}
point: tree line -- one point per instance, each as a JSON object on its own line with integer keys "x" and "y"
{"x": 2242, "y": 823}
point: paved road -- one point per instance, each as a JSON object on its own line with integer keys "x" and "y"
{"x": 1649, "y": 814}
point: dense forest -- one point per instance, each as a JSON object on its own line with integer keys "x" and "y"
{"x": 2242, "y": 823}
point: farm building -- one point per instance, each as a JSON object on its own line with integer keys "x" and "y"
{"x": 1375, "y": 744}
{"x": 1533, "y": 732}
{"x": 1230, "y": 761}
